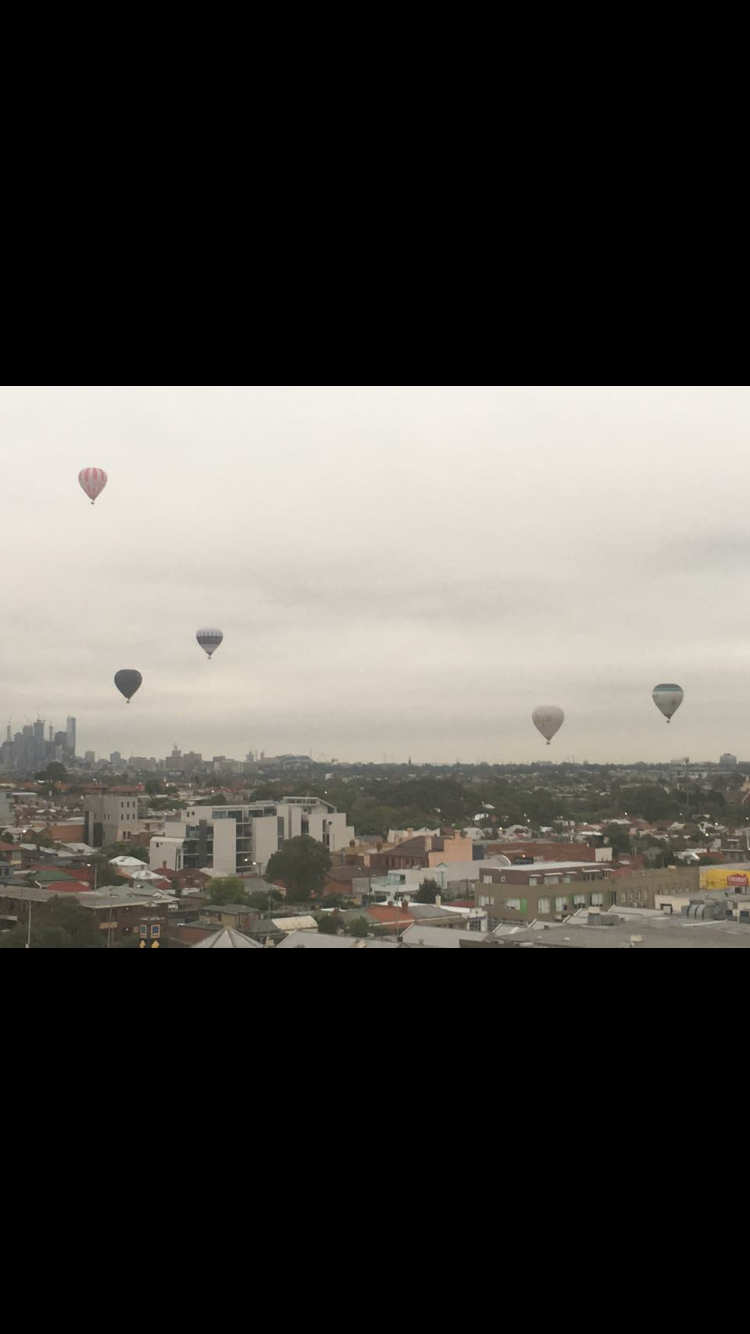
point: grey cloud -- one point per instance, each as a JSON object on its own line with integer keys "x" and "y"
{"x": 397, "y": 568}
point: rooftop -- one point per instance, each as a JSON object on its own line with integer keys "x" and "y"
{"x": 436, "y": 937}
{"x": 227, "y": 940}
{"x": 653, "y": 933}
{"x": 228, "y": 909}
{"x": 311, "y": 940}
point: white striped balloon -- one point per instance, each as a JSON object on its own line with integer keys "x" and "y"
{"x": 93, "y": 482}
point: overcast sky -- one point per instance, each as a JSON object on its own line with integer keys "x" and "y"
{"x": 400, "y": 571}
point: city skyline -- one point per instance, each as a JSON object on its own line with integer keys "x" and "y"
{"x": 399, "y": 570}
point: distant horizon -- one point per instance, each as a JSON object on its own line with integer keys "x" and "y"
{"x": 395, "y": 762}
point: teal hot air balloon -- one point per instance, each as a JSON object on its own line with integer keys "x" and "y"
{"x": 668, "y": 699}
{"x": 128, "y": 683}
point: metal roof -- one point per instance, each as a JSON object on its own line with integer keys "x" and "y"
{"x": 226, "y": 940}
{"x": 290, "y": 924}
{"x": 312, "y": 940}
{"x": 436, "y": 937}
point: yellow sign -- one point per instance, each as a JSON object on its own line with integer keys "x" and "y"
{"x": 142, "y": 945}
{"x": 156, "y": 945}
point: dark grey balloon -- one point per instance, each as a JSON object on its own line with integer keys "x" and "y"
{"x": 128, "y": 683}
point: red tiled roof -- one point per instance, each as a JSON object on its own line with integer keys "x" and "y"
{"x": 390, "y": 916}
{"x": 7, "y": 847}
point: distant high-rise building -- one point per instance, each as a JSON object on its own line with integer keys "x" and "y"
{"x": 115, "y": 757}
{"x": 90, "y": 757}
{"x": 70, "y": 733}
{"x": 728, "y": 761}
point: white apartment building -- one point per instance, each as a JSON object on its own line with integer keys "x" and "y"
{"x": 240, "y": 840}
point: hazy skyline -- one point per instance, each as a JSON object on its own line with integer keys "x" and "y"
{"x": 398, "y": 570}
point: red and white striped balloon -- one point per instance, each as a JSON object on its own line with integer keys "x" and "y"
{"x": 93, "y": 481}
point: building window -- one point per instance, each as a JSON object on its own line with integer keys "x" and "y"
{"x": 561, "y": 905}
{"x": 597, "y": 900}
{"x": 543, "y": 907}
{"x": 485, "y": 901}
{"x": 533, "y": 880}
{"x": 579, "y": 900}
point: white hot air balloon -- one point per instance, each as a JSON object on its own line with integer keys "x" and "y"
{"x": 548, "y": 720}
{"x": 210, "y": 640}
{"x": 668, "y": 700}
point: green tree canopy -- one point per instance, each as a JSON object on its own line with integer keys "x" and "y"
{"x": 428, "y": 891}
{"x": 54, "y": 773}
{"x": 228, "y": 889}
{"x": 106, "y": 874}
{"x": 259, "y": 899}
{"x": 619, "y": 837}
{"x": 60, "y": 923}
{"x": 329, "y": 924}
{"x": 302, "y": 864}
{"x": 360, "y": 927}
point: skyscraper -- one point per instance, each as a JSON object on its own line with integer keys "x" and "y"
{"x": 70, "y": 733}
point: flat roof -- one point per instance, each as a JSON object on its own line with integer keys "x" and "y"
{"x": 645, "y": 934}
{"x": 549, "y": 867}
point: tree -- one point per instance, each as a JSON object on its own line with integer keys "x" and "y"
{"x": 105, "y": 874}
{"x": 60, "y": 924}
{"x": 79, "y": 923}
{"x": 154, "y": 786}
{"x": 619, "y": 837}
{"x": 428, "y": 891}
{"x": 41, "y": 840}
{"x": 54, "y": 773}
{"x": 260, "y": 899}
{"x": 329, "y": 924}
{"x": 227, "y": 889}
{"x": 302, "y": 865}
{"x": 360, "y": 927}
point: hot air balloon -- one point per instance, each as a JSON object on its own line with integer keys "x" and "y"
{"x": 128, "y": 683}
{"x": 210, "y": 640}
{"x": 548, "y": 720}
{"x": 668, "y": 700}
{"x": 93, "y": 481}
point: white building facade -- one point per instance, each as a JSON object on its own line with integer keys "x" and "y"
{"x": 241, "y": 840}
